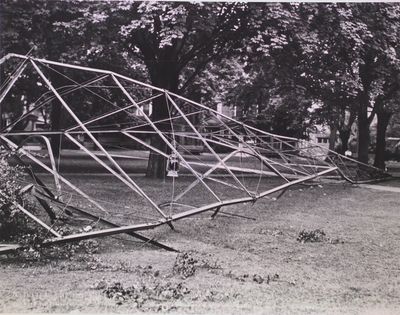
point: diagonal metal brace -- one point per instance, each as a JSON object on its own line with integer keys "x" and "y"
{"x": 108, "y": 223}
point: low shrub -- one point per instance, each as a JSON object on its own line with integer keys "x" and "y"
{"x": 12, "y": 223}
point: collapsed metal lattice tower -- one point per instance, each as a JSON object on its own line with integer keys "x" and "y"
{"x": 236, "y": 163}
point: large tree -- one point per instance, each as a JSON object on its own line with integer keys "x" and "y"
{"x": 343, "y": 52}
{"x": 170, "y": 37}
{"x": 377, "y": 33}
{"x": 386, "y": 104}
{"x": 335, "y": 54}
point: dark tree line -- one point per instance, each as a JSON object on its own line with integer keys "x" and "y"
{"x": 273, "y": 61}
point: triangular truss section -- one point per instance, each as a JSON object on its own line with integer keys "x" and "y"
{"x": 212, "y": 160}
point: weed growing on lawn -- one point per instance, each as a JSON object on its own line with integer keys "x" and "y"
{"x": 137, "y": 296}
{"x": 317, "y": 235}
{"x": 311, "y": 236}
{"x": 185, "y": 265}
{"x": 255, "y": 278}
{"x": 214, "y": 296}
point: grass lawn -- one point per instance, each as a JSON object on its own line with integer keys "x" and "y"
{"x": 239, "y": 265}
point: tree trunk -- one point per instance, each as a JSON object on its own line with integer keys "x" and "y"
{"x": 383, "y": 122}
{"x": 366, "y": 70}
{"x": 345, "y": 129}
{"x": 167, "y": 79}
{"x": 57, "y": 112}
{"x": 332, "y": 137}
{"x": 157, "y": 163}
{"x": 363, "y": 128}
{"x": 344, "y": 136}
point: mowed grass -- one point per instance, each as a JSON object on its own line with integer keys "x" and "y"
{"x": 357, "y": 273}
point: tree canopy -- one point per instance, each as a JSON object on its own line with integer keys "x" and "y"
{"x": 273, "y": 61}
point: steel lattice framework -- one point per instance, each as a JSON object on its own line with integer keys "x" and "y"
{"x": 237, "y": 163}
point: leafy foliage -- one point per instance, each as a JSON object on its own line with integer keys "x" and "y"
{"x": 311, "y": 236}
{"x": 12, "y": 223}
{"x": 342, "y": 57}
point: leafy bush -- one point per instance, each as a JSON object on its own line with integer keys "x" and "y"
{"x": 9, "y": 182}
{"x": 12, "y": 223}
{"x": 16, "y": 227}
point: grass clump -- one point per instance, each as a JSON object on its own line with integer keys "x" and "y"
{"x": 312, "y": 236}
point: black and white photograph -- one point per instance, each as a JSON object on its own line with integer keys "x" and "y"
{"x": 199, "y": 157}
